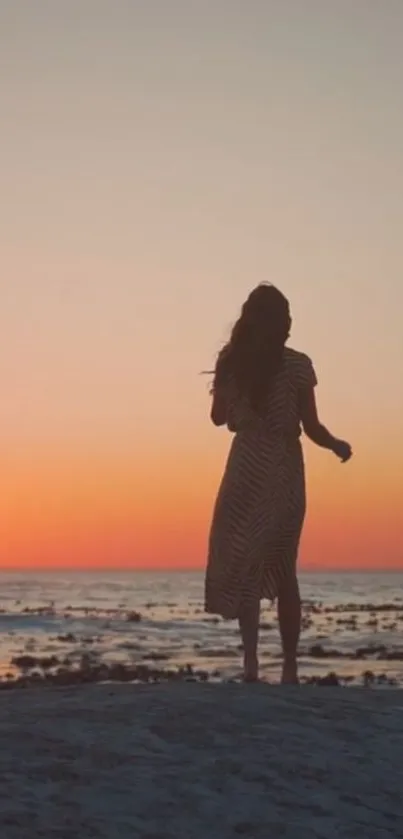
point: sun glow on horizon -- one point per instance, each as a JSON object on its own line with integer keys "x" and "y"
{"x": 99, "y": 511}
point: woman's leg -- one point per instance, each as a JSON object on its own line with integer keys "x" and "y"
{"x": 289, "y": 616}
{"x": 249, "y": 626}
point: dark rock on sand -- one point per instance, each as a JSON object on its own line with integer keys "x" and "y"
{"x": 331, "y": 680}
{"x": 24, "y": 662}
{"x": 133, "y": 617}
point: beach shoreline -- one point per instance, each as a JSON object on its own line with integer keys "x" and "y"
{"x": 190, "y": 760}
{"x": 84, "y": 628}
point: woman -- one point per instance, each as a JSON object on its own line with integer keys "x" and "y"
{"x": 262, "y": 391}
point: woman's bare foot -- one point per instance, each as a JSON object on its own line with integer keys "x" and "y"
{"x": 251, "y": 670}
{"x": 290, "y": 673}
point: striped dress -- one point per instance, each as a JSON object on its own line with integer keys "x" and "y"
{"x": 260, "y": 507}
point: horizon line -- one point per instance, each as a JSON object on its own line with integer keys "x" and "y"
{"x": 307, "y": 569}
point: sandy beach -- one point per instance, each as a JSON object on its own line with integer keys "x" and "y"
{"x": 187, "y": 761}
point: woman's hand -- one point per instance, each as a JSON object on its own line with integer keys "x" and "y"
{"x": 342, "y": 450}
{"x": 316, "y": 431}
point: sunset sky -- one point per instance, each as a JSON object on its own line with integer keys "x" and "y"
{"x": 159, "y": 158}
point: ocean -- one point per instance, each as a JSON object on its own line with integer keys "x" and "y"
{"x": 98, "y": 626}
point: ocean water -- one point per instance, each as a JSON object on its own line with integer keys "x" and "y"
{"x": 352, "y": 625}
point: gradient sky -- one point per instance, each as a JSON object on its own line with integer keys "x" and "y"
{"x": 159, "y": 158}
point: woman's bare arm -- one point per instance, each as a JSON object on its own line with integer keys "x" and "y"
{"x": 316, "y": 431}
{"x": 310, "y": 421}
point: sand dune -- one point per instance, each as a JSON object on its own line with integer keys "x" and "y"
{"x": 187, "y": 761}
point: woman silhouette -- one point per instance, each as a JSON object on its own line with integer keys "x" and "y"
{"x": 262, "y": 391}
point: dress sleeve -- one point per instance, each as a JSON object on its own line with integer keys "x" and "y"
{"x": 306, "y": 376}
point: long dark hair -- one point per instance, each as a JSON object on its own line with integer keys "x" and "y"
{"x": 254, "y": 352}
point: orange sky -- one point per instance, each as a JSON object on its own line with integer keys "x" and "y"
{"x": 160, "y": 159}
{"x": 97, "y": 510}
